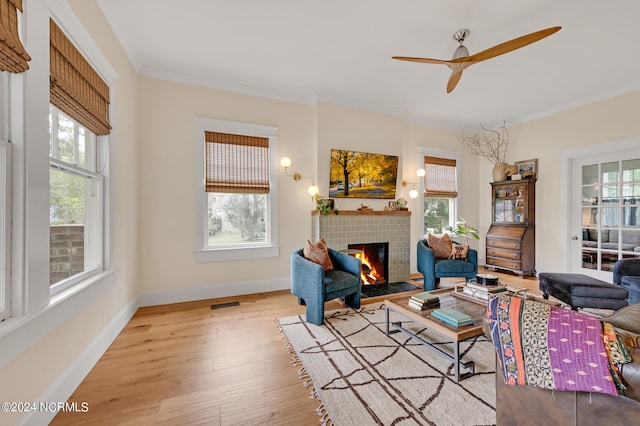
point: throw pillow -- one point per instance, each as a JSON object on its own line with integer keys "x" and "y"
{"x": 319, "y": 254}
{"x": 459, "y": 252}
{"x": 441, "y": 246}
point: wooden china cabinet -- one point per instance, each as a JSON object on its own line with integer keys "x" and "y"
{"x": 511, "y": 239}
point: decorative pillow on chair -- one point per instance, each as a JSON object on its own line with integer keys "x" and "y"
{"x": 441, "y": 246}
{"x": 459, "y": 252}
{"x": 318, "y": 253}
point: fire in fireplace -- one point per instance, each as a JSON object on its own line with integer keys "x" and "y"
{"x": 374, "y": 262}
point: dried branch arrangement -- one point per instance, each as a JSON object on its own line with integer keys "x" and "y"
{"x": 490, "y": 145}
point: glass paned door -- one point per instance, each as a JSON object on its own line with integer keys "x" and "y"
{"x": 610, "y": 212}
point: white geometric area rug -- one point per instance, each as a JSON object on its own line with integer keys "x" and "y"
{"x": 364, "y": 377}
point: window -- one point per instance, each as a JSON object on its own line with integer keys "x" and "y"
{"x": 78, "y": 113}
{"x": 236, "y": 193}
{"x": 440, "y": 192}
{"x": 75, "y": 209}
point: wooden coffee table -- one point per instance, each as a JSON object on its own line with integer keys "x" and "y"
{"x": 455, "y": 334}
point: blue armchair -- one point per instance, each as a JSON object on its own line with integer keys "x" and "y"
{"x": 313, "y": 286}
{"x": 626, "y": 272}
{"x": 433, "y": 269}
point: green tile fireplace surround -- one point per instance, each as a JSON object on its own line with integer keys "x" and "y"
{"x": 365, "y": 227}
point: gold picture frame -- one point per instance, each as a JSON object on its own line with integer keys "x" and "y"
{"x": 528, "y": 169}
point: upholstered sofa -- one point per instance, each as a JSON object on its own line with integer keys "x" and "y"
{"x": 528, "y": 405}
{"x": 609, "y": 239}
{"x": 433, "y": 269}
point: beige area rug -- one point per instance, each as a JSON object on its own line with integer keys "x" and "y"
{"x": 364, "y": 377}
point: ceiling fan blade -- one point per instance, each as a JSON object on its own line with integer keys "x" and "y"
{"x": 511, "y": 45}
{"x": 423, "y": 60}
{"x": 454, "y": 79}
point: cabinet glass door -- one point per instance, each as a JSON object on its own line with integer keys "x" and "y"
{"x": 510, "y": 204}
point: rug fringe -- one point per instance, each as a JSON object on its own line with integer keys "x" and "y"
{"x": 324, "y": 416}
{"x": 303, "y": 375}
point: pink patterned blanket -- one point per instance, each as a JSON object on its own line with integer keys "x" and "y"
{"x": 550, "y": 347}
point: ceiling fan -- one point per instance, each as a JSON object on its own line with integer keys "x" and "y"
{"x": 462, "y": 60}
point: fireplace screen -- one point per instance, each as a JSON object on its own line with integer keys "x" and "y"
{"x": 374, "y": 262}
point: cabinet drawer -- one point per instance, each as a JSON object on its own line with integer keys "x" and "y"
{"x": 508, "y": 244}
{"x": 505, "y": 254}
{"x": 503, "y": 263}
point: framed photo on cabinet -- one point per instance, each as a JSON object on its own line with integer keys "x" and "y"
{"x": 528, "y": 169}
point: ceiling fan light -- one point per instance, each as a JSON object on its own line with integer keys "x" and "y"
{"x": 461, "y": 52}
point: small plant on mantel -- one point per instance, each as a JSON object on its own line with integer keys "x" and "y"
{"x": 464, "y": 231}
{"x": 324, "y": 206}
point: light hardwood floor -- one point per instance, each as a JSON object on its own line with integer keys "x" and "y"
{"x": 188, "y": 364}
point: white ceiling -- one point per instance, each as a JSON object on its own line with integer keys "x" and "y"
{"x": 339, "y": 51}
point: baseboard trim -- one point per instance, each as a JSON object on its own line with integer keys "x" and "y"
{"x": 67, "y": 382}
{"x": 165, "y": 297}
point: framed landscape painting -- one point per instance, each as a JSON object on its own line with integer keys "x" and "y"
{"x": 356, "y": 174}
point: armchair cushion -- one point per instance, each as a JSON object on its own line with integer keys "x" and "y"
{"x": 459, "y": 252}
{"x": 441, "y": 246}
{"x": 319, "y": 254}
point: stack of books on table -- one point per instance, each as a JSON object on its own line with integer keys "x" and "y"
{"x": 484, "y": 292}
{"x": 424, "y": 300}
{"x": 453, "y": 317}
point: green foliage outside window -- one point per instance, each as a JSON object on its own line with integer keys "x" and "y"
{"x": 436, "y": 215}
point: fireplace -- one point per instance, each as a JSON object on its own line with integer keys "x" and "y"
{"x": 374, "y": 261}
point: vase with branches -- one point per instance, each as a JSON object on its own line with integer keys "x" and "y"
{"x": 492, "y": 146}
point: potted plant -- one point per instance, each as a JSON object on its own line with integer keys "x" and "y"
{"x": 324, "y": 205}
{"x": 464, "y": 231}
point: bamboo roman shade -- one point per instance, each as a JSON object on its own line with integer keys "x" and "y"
{"x": 75, "y": 87}
{"x": 13, "y": 57}
{"x": 236, "y": 163}
{"x": 440, "y": 178}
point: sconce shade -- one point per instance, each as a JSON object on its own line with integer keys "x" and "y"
{"x": 312, "y": 190}
{"x": 285, "y": 162}
{"x": 420, "y": 172}
{"x": 413, "y": 193}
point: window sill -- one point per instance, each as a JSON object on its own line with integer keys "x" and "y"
{"x": 17, "y": 334}
{"x": 241, "y": 253}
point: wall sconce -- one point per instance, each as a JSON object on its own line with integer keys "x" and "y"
{"x": 414, "y": 193}
{"x": 285, "y": 162}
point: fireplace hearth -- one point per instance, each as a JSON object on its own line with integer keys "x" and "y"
{"x": 374, "y": 261}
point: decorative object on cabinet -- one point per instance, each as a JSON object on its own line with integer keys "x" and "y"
{"x": 528, "y": 169}
{"x": 490, "y": 145}
{"x": 510, "y": 241}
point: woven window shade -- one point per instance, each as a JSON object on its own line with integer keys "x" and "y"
{"x": 75, "y": 87}
{"x": 236, "y": 163}
{"x": 13, "y": 57}
{"x": 440, "y": 178}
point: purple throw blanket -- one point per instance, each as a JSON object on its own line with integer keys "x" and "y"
{"x": 549, "y": 347}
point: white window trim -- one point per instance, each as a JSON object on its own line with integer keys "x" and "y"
{"x": 204, "y": 253}
{"x": 5, "y": 228}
